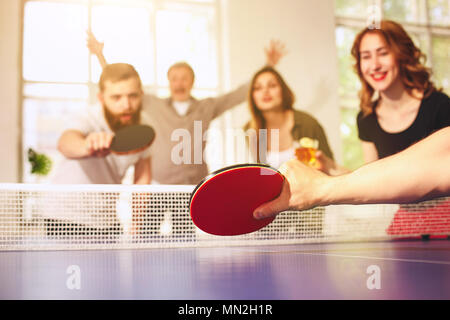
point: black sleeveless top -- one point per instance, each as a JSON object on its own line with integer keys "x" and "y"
{"x": 433, "y": 114}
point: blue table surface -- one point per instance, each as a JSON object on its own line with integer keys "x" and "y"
{"x": 374, "y": 270}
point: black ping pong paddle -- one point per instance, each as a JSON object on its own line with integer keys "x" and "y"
{"x": 132, "y": 139}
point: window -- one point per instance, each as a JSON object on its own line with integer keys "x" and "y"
{"x": 428, "y": 23}
{"x": 60, "y": 77}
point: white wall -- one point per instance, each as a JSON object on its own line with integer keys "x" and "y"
{"x": 311, "y": 68}
{"x": 9, "y": 89}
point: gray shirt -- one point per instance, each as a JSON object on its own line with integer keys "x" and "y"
{"x": 179, "y": 143}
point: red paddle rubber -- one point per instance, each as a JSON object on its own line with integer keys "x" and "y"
{"x": 223, "y": 203}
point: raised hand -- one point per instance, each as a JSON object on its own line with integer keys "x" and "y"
{"x": 274, "y": 52}
{"x": 94, "y": 46}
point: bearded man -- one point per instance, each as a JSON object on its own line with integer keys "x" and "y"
{"x": 86, "y": 141}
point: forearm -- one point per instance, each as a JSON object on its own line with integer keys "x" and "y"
{"x": 372, "y": 184}
{"x": 418, "y": 173}
{"x": 231, "y": 99}
{"x": 72, "y": 145}
{"x": 142, "y": 172}
{"x": 143, "y": 179}
{"x": 338, "y": 170}
{"x": 101, "y": 60}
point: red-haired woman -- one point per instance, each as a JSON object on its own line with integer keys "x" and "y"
{"x": 399, "y": 104}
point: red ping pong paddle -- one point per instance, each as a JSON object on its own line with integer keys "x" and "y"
{"x": 223, "y": 203}
{"x": 132, "y": 139}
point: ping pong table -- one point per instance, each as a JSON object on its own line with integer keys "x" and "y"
{"x": 343, "y": 252}
{"x": 412, "y": 269}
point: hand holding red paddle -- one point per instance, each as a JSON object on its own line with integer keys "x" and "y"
{"x": 300, "y": 190}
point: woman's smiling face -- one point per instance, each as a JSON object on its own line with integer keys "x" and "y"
{"x": 378, "y": 64}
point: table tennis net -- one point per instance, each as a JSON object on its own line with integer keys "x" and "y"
{"x": 53, "y": 217}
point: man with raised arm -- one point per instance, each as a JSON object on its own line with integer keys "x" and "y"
{"x": 181, "y": 120}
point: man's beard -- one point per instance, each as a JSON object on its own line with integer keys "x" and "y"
{"x": 114, "y": 122}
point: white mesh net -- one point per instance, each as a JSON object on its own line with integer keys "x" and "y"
{"x": 41, "y": 217}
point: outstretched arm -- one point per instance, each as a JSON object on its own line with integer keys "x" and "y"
{"x": 96, "y": 48}
{"x": 75, "y": 145}
{"x": 418, "y": 173}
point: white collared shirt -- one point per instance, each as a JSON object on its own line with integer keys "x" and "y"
{"x": 181, "y": 107}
